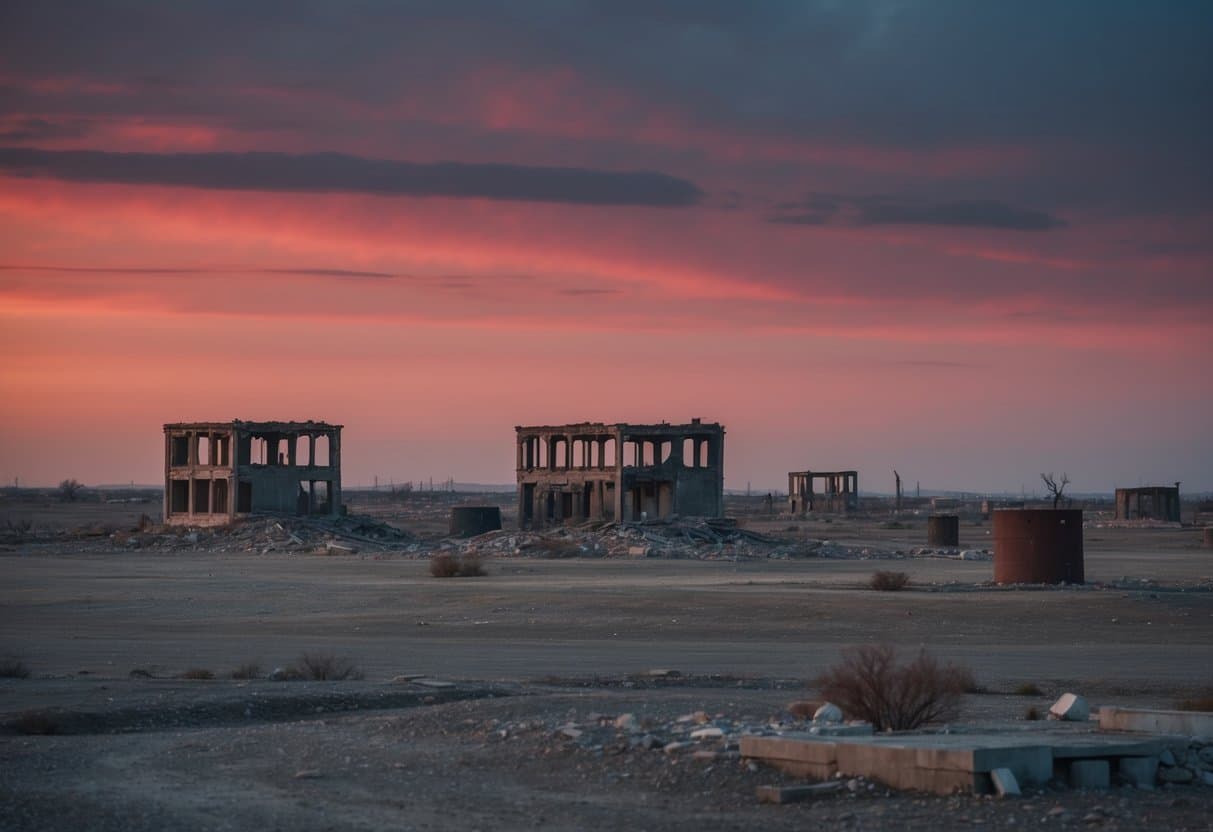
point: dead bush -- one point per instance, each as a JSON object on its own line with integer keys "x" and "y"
{"x": 1032, "y": 714}
{"x": 450, "y": 565}
{"x": 1200, "y": 703}
{"x": 868, "y": 684}
{"x": 248, "y": 670}
{"x": 889, "y": 581}
{"x": 197, "y": 673}
{"x": 444, "y": 565}
{"x": 14, "y": 669}
{"x": 35, "y": 722}
{"x": 325, "y": 667}
{"x": 1029, "y": 689}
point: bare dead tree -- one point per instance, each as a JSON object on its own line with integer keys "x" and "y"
{"x": 1055, "y": 486}
{"x": 69, "y": 490}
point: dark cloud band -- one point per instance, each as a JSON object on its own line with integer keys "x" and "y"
{"x": 833, "y": 209}
{"x": 335, "y": 172}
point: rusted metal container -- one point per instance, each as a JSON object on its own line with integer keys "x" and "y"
{"x": 943, "y": 530}
{"x": 1209, "y": 537}
{"x": 1038, "y": 546}
{"x": 469, "y": 521}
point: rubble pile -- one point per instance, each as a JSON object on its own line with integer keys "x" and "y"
{"x": 710, "y": 539}
{"x": 264, "y": 535}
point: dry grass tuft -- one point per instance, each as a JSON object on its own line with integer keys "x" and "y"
{"x": 35, "y": 722}
{"x": 1032, "y": 714}
{"x": 1200, "y": 703}
{"x": 868, "y": 684}
{"x": 197, "y": 673}
{"x": 325, "y": 667}
{"x": 1028, "y": 689}
{"x": 450, "y": 565}
{"x": 248, "y": 670}
{"x": 14, "y": 669}
{"x": 889, "y": 581}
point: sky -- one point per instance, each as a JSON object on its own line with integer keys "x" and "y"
{"x": 972, "y": 241}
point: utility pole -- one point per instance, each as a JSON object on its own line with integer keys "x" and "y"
{"x": 898, "y": 503}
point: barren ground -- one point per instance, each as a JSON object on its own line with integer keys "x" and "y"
{"x": 553, "y": 641}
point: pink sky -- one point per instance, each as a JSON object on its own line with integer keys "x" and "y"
{"x": 971, "y": 309}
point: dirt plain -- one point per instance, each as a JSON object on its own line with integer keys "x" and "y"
{"x": 532, "y": 646}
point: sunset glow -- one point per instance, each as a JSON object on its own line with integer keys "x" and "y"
{"x": 966, "y": 272}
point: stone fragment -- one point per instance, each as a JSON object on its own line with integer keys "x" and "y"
{"x": 709, "y": 733}
{"x": 627, "y": 722}
{"x": 1138, "y": 770}
{"x": 675, "y": 747}
{"x": 795, "y": 794}
{"x": 1176, "y": 774}
{"x": 828, "y": 713}
{"x": 1090, "y": 774}
{"x": 1005, "y": 783}
{"x": 571, "y": 732}
{"x": 1070, "y": 707}
{"x": 1166, "y": 757}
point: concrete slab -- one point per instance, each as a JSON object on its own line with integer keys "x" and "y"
{"x": 943, "y": 763}
{"x": 1188, "y": 723}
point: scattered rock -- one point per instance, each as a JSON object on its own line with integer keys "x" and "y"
{"x": 828, "y": 713}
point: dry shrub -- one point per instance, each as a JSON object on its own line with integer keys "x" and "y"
{"x": 35, "y": 722}
{"x": 1029, "y": 689}
{"x": 889, "y": 581}
{"x": 450, "y": 565}
{"x": 325, "y": 667}
{"x": 1200, "y": 703}
{"x": 197, "y": 673}
{"x": 444, "y": 565}
{"x": 248, "y": 670}
{"x": 1032, "y": 714}
{"x": 14, "y": 669}
{"x": 868, "y": 684}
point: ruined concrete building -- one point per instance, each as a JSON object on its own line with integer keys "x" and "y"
{"x": 595, "y": 471}
{"x": 215, "y": 472}
{"x": 1154, "y": 502}
{"x": 840, "y": 491}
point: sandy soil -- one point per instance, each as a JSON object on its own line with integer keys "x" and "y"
{"x": 561, "y": 638}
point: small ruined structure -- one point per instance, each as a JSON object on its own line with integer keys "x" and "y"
{"x": 215, "y": 472}
{"x": 621, "y": 472}
{"x": 840, "y": 491}
{"x": 1154, "y": 502}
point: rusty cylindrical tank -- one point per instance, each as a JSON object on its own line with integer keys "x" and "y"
{"x": 1038, "y": 546}
{"x": 469, "y": 521}
{"x": 943, "y": 530}
{"x": 1209, "y": 537}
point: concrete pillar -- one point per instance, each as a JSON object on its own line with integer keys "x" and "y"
{"x": 335, "y": 461}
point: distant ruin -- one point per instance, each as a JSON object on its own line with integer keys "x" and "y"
{"x": 215, "y": 472}
{"x": 840, "y": 491}
{"x": 621, "y": 472}
{"x": 1153, "y": 502}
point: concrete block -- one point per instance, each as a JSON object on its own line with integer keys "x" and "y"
{"x": 1090, "y": 774}
{"x": 1071, "y": 707}
{"x": 1138, "y": 770}
{"x": 1189, "y": 723}
{"x": 1005, "y": 783}
{"x": 801, "y": 748}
